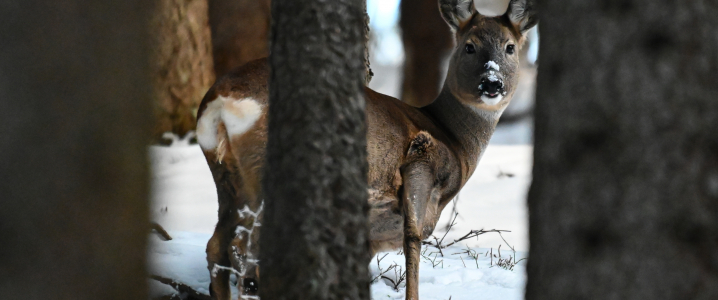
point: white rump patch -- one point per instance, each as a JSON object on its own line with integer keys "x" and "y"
{"x": 207, "y": 125}
{"x": 491, "y": 101}
{"x": 492, "y": 65}
{"x": 238, "y": 115}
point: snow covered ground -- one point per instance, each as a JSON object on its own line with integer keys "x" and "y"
{"x": 185, "y": 203}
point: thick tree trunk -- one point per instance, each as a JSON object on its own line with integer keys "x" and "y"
{"x": 624, "y": 202}
{"x": 315, "y": 235}
{"x": 75, "y": 90}
{"x": 240, "y": 32}
{"x": 182, "y": 61}
{"x": 426, "y": 39}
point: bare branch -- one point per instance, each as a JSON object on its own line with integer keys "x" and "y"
{"x": 438, "y": 244}
{"x": 381, "y": 271}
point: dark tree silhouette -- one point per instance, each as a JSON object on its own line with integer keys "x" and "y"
{"x": 624, "y": 202}
{"x": 75, "y": 90}
{"x": 314, "y": 235}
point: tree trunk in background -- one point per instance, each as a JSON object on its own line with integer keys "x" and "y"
{"x": 182, "y": 61}
{"x": 624, "y": 202}
{"x": 426, "y": 39}
{"x": 75, "y": 90}
{"x": 240, "y": 32}
{"x": 315, "y": 234}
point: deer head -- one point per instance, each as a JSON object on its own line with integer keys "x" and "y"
{"x": 483, "y": 70}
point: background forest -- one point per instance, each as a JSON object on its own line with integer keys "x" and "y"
{"x": 606, "y": 176}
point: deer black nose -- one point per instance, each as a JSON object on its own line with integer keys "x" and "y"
{"x": 491, "y": 86}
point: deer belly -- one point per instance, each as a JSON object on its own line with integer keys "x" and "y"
{"x": 386, "y": 224}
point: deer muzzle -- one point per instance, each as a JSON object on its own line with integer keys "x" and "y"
{"x": 492, "y": 86}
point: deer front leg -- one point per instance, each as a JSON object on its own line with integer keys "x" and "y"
{"x": 418, "y": 184}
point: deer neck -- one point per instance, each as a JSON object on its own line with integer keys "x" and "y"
{"x": 469, "y": 128}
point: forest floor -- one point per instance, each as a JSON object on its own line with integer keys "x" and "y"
{"x": 184, "y": 202}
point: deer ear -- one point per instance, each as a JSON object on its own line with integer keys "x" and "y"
{"x": 456, "y": 13}
{"x": 522, "y": 14}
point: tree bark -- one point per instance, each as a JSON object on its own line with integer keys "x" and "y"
{"x": 182, "y": 61}
{"x": 315, "y": 235}
{"x": 368, "y": 73}
{"x": 74, "y": 79}
{"x": 624, "y": 202}
{"x": 240, "y": 32}
{"x": 426, "y": 39}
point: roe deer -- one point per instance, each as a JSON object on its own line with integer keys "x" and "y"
{"x": 419, "y": 157}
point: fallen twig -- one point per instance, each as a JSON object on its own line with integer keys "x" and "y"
{"x": 161, "y": 232}
{"x": 400, "y": 277}
{"x": 182, "y": 288}
{"x": 382, "y": 271}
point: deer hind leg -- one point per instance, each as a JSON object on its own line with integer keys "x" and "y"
{"x": 219, "y": 265}
{"x": 223, "y": 119}
{"x": 418, "y": 185}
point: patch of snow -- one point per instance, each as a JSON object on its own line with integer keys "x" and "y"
{"x": 456, "y": 275}
{"x": 494, "y": 198}
{"x": 492, "y": 76}
{"x": 184, "y": 201}
{"x": 182, "y": 259}
{"x": 492, "y": 65}
{"x": 184, "y": 197}
{"x": 178, "y": 141}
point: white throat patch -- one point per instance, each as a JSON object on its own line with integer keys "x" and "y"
{"x": 492, "y": 101}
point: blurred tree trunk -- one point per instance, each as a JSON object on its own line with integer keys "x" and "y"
{"x": 426, "y": 39}
{"x": 182, "y": 61}
{"x": 624, "y": 202}
{"x": 75, "y": 84}
{"x": 315, "y": 235}
{"x": 240, "y": 32}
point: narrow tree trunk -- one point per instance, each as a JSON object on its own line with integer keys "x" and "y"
{"x": 624, "y": 202}
{"x": 182, "y": 60}
{"x": 315, "y": 235}
{"x": 426, "y": 41}
{"x": 75, "y": 90}
{"x": 240, "y": 32}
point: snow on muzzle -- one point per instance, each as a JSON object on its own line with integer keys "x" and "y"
{"x": 492, "y": 87}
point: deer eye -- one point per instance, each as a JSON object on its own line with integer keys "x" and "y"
{"x": 470, "y": 49}
{"x": 510, "y": 49}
